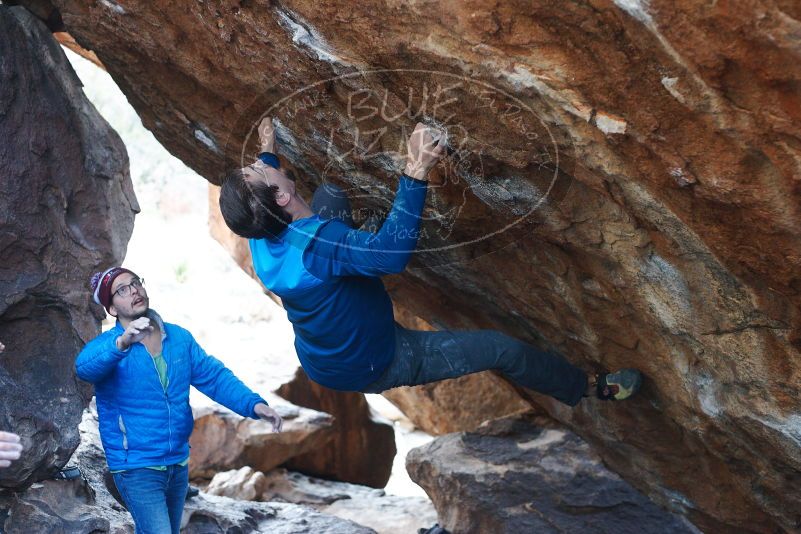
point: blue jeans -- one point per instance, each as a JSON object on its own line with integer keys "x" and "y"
{"x": 423, "y": 357}
{"x": 154, "y": 498}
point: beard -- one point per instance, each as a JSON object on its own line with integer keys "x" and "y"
{"x": 132, "y": 313}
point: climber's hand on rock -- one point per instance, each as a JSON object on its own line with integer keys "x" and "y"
{"x": 267, "y": 135}
{"x": 268, "y": 414}
{"x": 137, "y": 331}
{"x": 425, "y": 147}
{"x": 10, "y": 448}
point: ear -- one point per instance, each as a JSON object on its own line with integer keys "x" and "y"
{"x": 112, "y": 311}
{"x": 282, "y": 198}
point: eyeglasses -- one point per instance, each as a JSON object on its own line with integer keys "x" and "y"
{"x": 124, "y": 291}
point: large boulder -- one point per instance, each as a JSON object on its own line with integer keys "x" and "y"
{"x": 513, "y": 475}
{"x": 625, "y": 191}
{"x": 66, "y": 210}
{"x": 363, "y": 447}
{"x": 222, "y": 440}
{"x": 440, "y": 408}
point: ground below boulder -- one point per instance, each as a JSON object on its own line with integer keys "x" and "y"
{"x": 386, "y": 514}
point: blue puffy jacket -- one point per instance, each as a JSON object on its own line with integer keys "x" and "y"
{"x": 141, "y": 425}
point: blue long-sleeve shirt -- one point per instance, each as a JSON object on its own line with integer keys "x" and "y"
{"x": 327, "y": 275}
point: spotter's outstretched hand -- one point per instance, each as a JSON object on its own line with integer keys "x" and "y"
{"x": 268, "y": 414}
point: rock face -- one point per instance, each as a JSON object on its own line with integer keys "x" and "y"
{"x": 626, "y": 191}
{"x": 79, "y": 506}
{"x": 67, "y": 506}
{"x": 511, "y": 475}
{"x": 66, "y": 210}
{"x": 363, "y": 447}
{"x": 222, "y": 440}
{"x": 440, "y": 408}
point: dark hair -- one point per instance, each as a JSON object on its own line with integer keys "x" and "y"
{"x": 250, "y": 210}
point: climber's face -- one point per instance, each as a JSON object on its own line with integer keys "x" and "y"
{"x": 259, "y": 172}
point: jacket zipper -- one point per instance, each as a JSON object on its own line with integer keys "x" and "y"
{"x": 166, "y": 400}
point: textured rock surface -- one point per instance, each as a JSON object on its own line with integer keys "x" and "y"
{"x": 670, "y": 240}
{"x": 66, "y": 506}
{"x": 363, "y": 446}
{"x": 511, "y": 475}
{"x": 66, "y": 210}
{"x": 222, "y": 440}
{"x": 366, "y": 506}
{"x": 79, "y": 506}
{"x": 442, "y": 407}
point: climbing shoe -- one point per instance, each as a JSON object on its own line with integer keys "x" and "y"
{"x": 619, "y": 385}
{"x": 436, "y": 529}
{"x": 192, "y": 491}
{"x": 68, "y": 472}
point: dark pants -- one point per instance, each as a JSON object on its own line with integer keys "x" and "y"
{"x": 423, "y": 357}
{"x": 154, "y": 498}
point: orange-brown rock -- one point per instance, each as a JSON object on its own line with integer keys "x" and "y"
{"x": 363, "y": 446}
{"x": 626, "y": 191}
{"x": 458, "y": 404}
{"x": 222, "y": 440}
